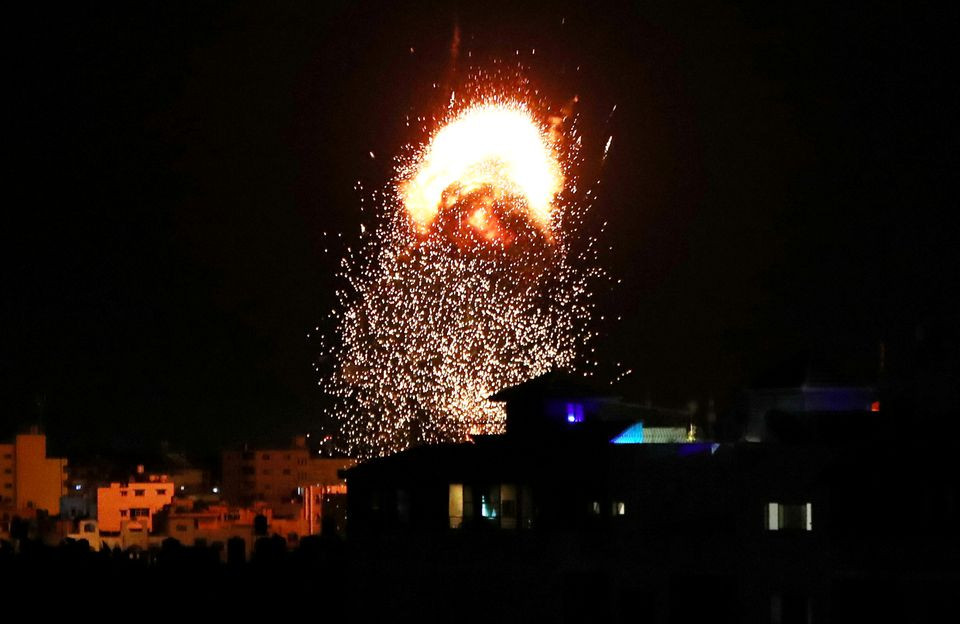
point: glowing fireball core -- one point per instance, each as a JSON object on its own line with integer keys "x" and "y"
{"x": 499, "y": 146}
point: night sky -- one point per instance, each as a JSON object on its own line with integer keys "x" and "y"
{"x": 780, "y": 181}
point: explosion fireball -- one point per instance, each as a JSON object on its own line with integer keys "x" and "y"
{"x": 465, "y": 285}
{"x": 495, "y": 146}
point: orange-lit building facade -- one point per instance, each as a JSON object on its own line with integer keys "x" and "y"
{"x": 278, "y": 476}
{"x": 132, "y": 504}
{"x": 29, "y": 480}
{"x": 268, "y": 475}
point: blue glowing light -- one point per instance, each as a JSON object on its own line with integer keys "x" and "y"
{"x": 631, "y": 435}
{"x": 574, "y": 412}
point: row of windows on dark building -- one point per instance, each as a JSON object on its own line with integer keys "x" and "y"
{"x": 511, "y": 506}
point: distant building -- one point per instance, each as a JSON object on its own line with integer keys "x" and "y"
{"x": 567, "y": 458}
{"x": 215, "y": 525}
{"x": 571, "y": 505}
{"x": 278, "y": 477}
{"x": 132, "y": 504}
{"x": 29, "y": 480}
{"x": 267, "y": 475}
{"x": 800, "y": 399}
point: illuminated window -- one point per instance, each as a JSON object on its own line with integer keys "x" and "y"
{"x": 574, "y": 412}
{"x": 619, "y": 508}
{"x": 487, "y": 507}
{"x": 595, "y": 508}
{"x": 783, "y": 517}
{"x": 455, "y": 505}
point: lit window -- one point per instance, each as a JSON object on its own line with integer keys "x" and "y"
{"x": 619, "y": 508}
{"x": 875, "y": 406}
{"x": 595, "y": 508}
{"x": 783, "y": 517}
{"x": 490, "y": 503}
{"x": 455, "y": 505}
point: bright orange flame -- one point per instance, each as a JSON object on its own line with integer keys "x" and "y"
{"x": 496, "y": 146}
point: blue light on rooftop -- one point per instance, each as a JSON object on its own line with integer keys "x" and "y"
{"x": 574, "y": 412}
{"x": 631, "y": 435}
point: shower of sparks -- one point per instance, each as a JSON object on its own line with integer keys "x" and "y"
{"x": 472, "y": 278}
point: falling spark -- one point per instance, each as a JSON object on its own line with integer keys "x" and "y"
{"x": 473, "y": 278}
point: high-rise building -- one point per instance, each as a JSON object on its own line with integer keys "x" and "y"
{"x": 29, "y": 480}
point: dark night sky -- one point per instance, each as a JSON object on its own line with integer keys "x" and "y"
{"x": 780, "y": 180}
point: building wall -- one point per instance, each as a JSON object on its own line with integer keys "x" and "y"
{"x": 270, "y": 475}
{"x": 38, "y": 481}
{"x": 8, "y": 480}
{"x": 117, "y": 504}
{"x": 325, "y": 470}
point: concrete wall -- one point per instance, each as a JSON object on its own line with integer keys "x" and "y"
{"x": 39, "y": 480}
